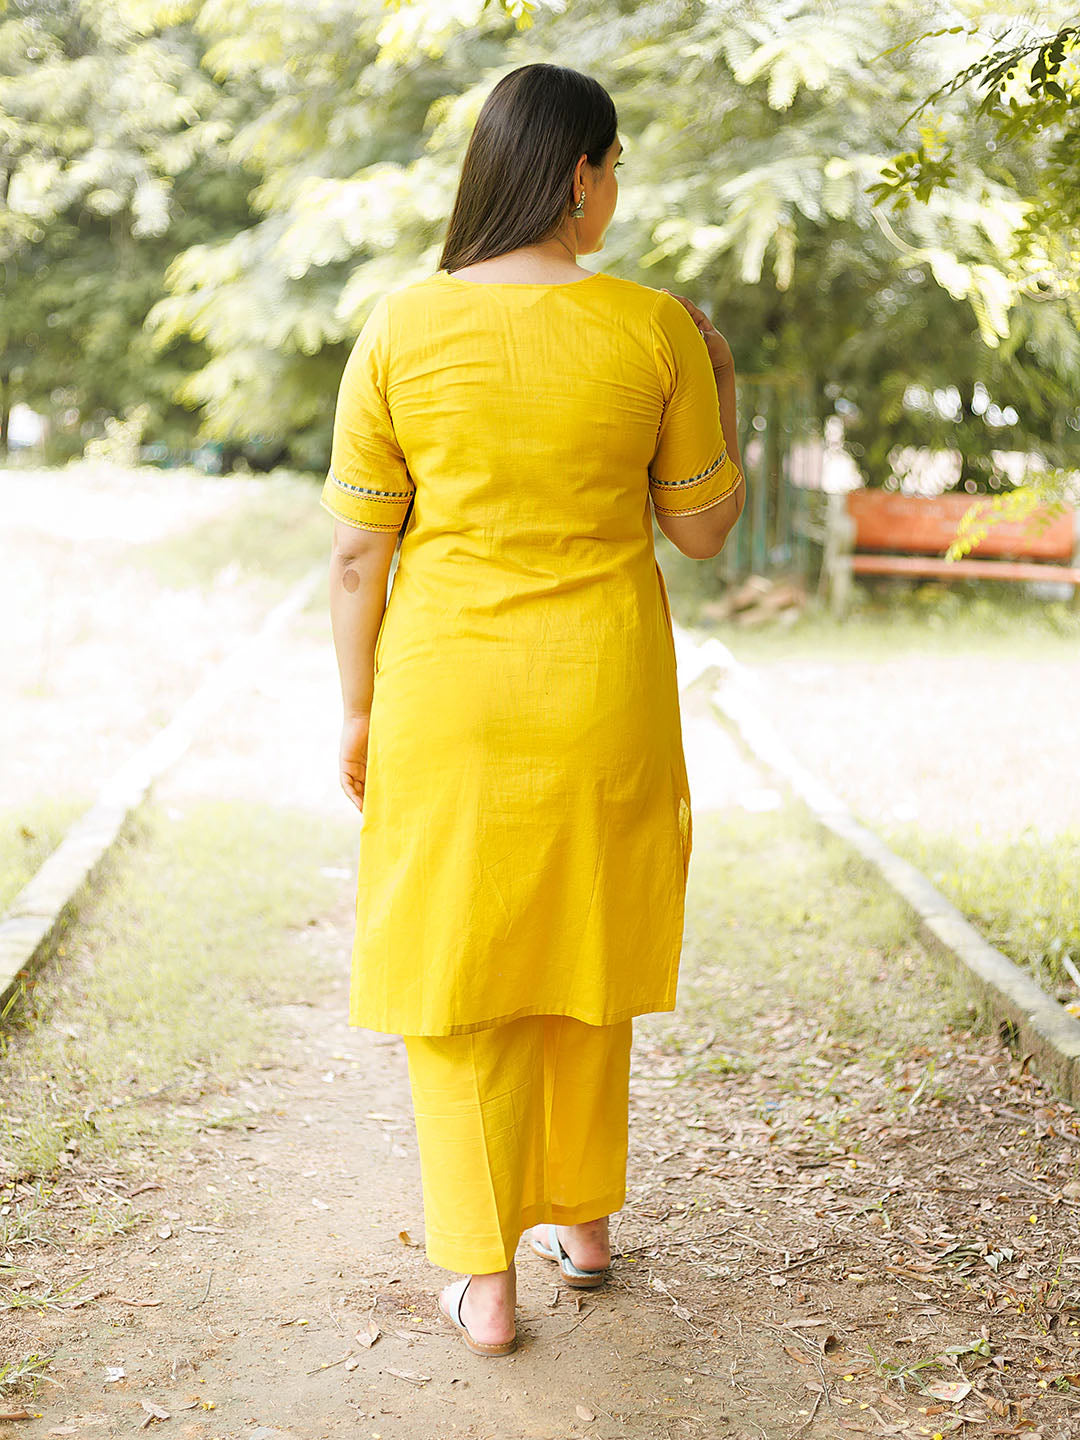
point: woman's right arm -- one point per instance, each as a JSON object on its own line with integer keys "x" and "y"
{"x": 702, "y": 535}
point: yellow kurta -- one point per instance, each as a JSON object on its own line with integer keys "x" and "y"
{"x": 526, "y": 830}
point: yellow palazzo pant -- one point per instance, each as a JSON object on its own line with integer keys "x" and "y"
{"x": 518, "y": 1124}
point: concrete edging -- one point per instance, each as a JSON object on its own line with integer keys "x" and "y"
{"x": 1029, "y": 1021}
{"x": 45, "y": 907}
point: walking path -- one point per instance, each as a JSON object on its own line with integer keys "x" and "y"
{"x": 832, "y": 1185}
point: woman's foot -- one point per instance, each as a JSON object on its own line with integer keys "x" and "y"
{"x": 487, "y": 1307}
{"x": 588, "y": 1245}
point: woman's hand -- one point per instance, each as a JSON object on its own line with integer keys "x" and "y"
{"x": 353, "y": 757}
{"x": 719, "y": 350}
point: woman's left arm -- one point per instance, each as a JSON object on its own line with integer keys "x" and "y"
{"x": 359, "y": 569}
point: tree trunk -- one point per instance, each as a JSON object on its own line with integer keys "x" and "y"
{"x": 5, "y": 411}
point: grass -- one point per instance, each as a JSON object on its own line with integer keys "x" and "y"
{"x": 166, "y": 988}
{"x": 16, "y": 1373}
{"x": 29, "y": 836}
{"x": 275, "y": 534}
{"x": 781, "y": 915}
{"x": 886, "y": 618}
{"x": 1021, "y": 894}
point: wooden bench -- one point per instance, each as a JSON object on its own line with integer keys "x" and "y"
{"x": 883, "y": 532}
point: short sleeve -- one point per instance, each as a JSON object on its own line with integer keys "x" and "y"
{"x": 368, "y": 484}
{"x": 690, "y": 468}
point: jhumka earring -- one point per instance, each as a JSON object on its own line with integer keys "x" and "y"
{"x": 579, "y": 209}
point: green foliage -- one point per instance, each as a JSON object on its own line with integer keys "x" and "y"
{"x": 1025, "y": 129}
{"x": 206, "y": 232}
{"x": 916, "y": 173}
{"x": 1018, "y": 505}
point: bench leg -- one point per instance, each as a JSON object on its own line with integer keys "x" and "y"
{"x": 836, "y": 559}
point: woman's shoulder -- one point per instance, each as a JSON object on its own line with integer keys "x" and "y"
{"x": 628, "y": 292}
{"x": 633, "y": 294}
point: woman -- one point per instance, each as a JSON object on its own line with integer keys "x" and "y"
{"x": 512, "y": 731}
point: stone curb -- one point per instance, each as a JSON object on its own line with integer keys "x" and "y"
{"x": 1029, "y": 1021}
{"x": 49, "y": 902}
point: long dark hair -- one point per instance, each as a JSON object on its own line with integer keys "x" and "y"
{"x": 516, "y": 178}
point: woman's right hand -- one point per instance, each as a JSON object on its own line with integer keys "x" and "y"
{"x": 353, "y": 757}
{"x": 719, "y": 349}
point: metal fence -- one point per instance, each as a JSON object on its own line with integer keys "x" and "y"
{"x": 781, "y": 454}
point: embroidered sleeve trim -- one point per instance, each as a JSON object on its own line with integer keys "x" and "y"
{"x": 389, "y": 527}
{"x": 691, "y": 480}
{"x": 368, "y": 492}
{"x": 694, "y": 509}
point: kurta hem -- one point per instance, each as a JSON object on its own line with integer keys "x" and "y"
{"x": 588, "y": 1017}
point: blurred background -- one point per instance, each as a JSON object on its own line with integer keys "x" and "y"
{"x": 200, "y": 201}
{"x": 877, "y": 205}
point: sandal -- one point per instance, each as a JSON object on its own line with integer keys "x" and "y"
{"x": 553, "y": 1250}
{"x": 457, "y": 1290}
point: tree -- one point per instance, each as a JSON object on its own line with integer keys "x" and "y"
{"x": 1025, "y": 128}
{"x": 753, "y": 130}
{"x": 108, "y": 169}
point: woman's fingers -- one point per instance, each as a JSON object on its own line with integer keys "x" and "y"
{"x": 353, "y": 757}
{"x": 352, "y": 782}
{"x": 700, "y": 319}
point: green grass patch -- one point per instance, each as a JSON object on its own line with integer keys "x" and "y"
{"x": 1021, "y": 894}
{"x": 781, "y": 915}
{"x": 939, "y": 617}
{"x": 166, "y": 991}
{"x": 28, "y": 836}
{"x": 275, "y": 533}
{"x": 25, "y": 1369}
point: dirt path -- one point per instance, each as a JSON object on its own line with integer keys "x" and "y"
{"x": 816, "y": 1209}
{"x": 113, "y": 629}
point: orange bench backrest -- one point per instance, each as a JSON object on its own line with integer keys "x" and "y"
{"x": 926, "y": 525}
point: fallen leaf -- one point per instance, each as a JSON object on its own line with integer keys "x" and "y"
{"x": 405, "y": 1237}
{"x": 413, "y": 1376}
{"x": 798, "y": 1355}
{"x": 584, "y": 1413}
{"x": 153, "y": 1412}
{"x": 351, "y": 1363}
{"x": 368, "y": 1335}
{"x": 951, "y": 1390}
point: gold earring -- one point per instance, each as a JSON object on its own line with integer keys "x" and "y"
{"x": 579, "y": 209}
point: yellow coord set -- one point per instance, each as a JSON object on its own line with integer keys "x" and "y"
{"x": 527, "y": 831}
